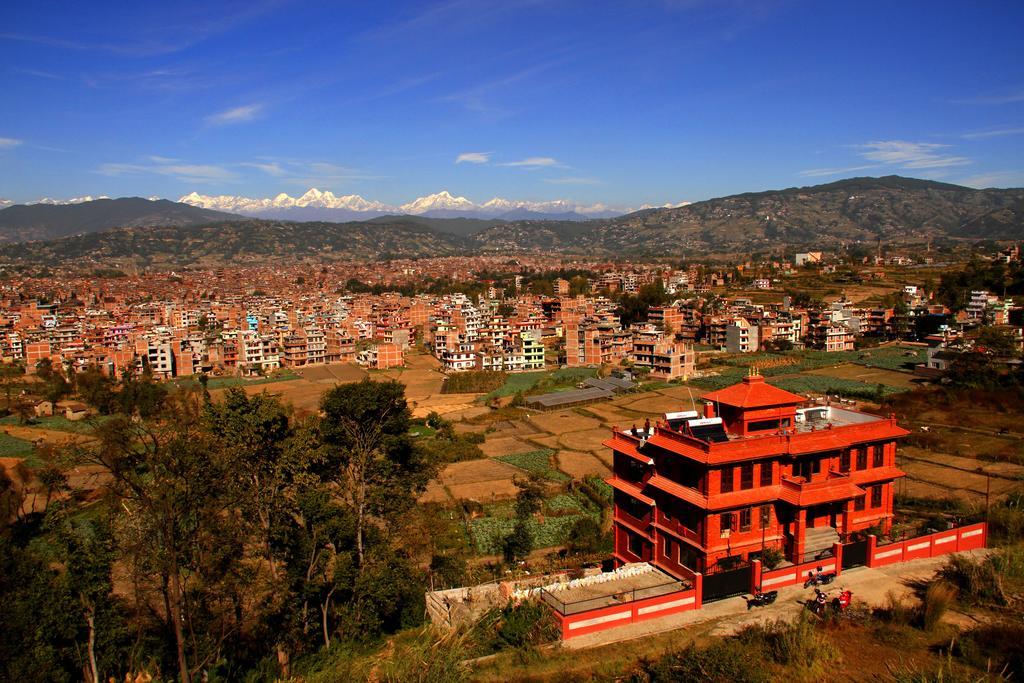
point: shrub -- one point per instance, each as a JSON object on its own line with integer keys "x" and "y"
{"x": 584, "y": 536}
{"x": 937, "y": 599}
{"x": 796, "y": 644}
{"x": 527, "y": 624}
{"x": 977, "y": 582}
{"x": 728, "y": 661}
{"x": 996, "y": 646}
{"x": 448, "y": 571}
{"x": 772, "y": 558}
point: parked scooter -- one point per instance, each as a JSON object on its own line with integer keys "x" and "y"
{"x": 760, "y": 599}
{"x": 842, "y": 601}
{"x": 819, "y": 578}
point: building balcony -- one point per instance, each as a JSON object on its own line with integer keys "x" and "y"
{"x": 835, "y": 487}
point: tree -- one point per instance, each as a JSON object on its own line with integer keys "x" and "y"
{"x": 252, "y": 432}
{"x": 365, "y": 426}
{"x": 98, "y": 389}
{"x": 996, "y": 342}
{"x": 530, "y": 498}
{"x": 518, "y": 543}
{"x": 11, "y": 378}
{"x": 584, "y": 535}
{"x": 178, "y": 524}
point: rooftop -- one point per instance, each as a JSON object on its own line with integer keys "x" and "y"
{"x": 753, "y": 392}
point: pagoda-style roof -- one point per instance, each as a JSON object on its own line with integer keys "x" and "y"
{"x": 754, "y": 392}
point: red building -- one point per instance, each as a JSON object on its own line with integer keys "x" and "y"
{"x": 762, "y": 468}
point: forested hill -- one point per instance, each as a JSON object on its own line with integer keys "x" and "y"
{"x": 892, "y": 208}
{"x": 23, "y": 222}
{"x": 236, "y": 242}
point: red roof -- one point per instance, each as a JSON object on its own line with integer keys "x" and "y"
{"x": 753, "y": 392}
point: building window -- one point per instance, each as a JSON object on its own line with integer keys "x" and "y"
{"x": 745, "y": 519}
{"x": 858, "y": 504}
{"x": 844, "y": 461}
{"x": 762, "y": 425}
{"x": 862, "y": 459}
{"x": 666, "y": 550}
{"x": 876, "y": 496}
{"x": 687, "y": 556}
{"x": 636, "y": 545}
{"x": 766, "y": 474}
{"x": 725, "y": 521}
{"x": 747, "y": 475}
{"x": 727, "y": 479}
{"x": 879, "y": 456}
{"x": 766, "y": 516}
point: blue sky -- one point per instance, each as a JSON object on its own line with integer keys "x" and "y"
{"x": 624, "y": 103}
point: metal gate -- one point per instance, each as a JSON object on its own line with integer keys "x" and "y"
{"x": 726, "y": 583}
{"x": 855, "y": 554}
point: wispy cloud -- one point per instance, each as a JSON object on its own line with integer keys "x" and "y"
{"x": 910, "y": 155}
{"x": 241, "y": 114}
{"x": 172, "y": 31}
{"x": 985, "y": 134}
{"x": 534, "y": 163}
{"x": 573, "y": 180}
{"x": 38, "y": 73}
{"x": 8, "y": 143}
{"x": 1008, "y": 97}
{"x": 269, "y": 167}
{"x": 821, "y": 172}
{"x": 473, "y": 158}
{"x": 194, "y": 173}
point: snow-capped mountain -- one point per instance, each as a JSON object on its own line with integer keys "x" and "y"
{"x": 324, "y": 205}
{"x": 64, "y": 202}
{"x": 4, "y": 203}
{"x": 442, "y": 201}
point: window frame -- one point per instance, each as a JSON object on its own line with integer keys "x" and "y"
{"x": 746, "y": 476}
{"x": 876, "y": 493}
{"x": 727, "y": 483}
{"x": 767, "y": 468}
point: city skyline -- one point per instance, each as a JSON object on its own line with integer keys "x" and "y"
{"x": 649, "y": 104}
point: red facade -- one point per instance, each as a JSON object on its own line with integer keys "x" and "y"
{"x": 757, "y": 471}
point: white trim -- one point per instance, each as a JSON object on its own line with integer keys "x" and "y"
{"x": 918, "y": 546}
{"x": 972, "y": 532}
{"x": 947, "y": 539}
{"x": 889, "y": 553}
{"x": 666, "y": 605}
{"x": 778, "y": 579}
{"x": 594, "y": 621}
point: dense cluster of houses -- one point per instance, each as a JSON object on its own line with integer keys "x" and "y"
{"x": 253, "y": 321}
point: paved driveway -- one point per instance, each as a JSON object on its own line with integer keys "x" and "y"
{"x": 869, "y": 586}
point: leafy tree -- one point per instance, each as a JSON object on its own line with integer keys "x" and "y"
{"x": 141, "y": 395}
{"x": 518, "y": 543}
{"x": 366, "y": 429}
{"x": 996, "y": 342}
{"x": 178, "y": 522}
{"x": 584, "y": 536}
{"x": 530, "y": 498}
{"x": 98, "y": 389}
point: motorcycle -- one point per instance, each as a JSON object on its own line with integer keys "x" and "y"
{"x": 760, "y": 599}
{"x": 819, "y": 578}
{"x": 818, "y": 603}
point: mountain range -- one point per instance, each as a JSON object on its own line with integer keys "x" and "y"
{"x": 49, "y": 219}
{"x": 326, "y": 206}
{"x": 858, "y": 210}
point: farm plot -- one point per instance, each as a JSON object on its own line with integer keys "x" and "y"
{"x": 589, "y": 440}
{"x": 868, "y": 375}
{"x": 481, "y": 480}
{"x": 579, "y": 465}
{"x": 333, "y": 373}
{"x": 503, "y": 445}
{"x": 563, "y": 421}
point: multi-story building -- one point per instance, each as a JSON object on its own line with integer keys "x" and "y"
{"x": 757, "y": 470}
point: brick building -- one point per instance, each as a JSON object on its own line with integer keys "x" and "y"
{"x": 756, "y": 471}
